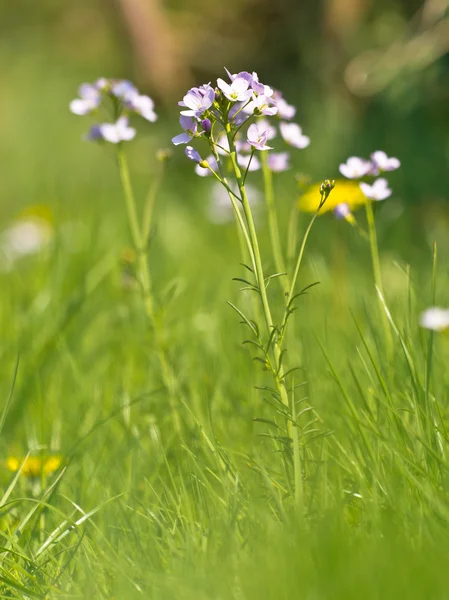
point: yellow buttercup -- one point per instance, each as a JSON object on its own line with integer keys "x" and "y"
{"x": 344, "y": 192}
{"x": 34, "y": 466}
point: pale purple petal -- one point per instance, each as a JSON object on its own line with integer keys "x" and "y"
{"x": 279, "y": 161}
{"x": 141, "y": 105}
{"x": 285, "y": 111}
{"x": 355, "y": 167}
{"x": 80, "y": 107}
{"x": 292, "y": 134}
{"x": 379, "y": 190}
{"x": 182, "y": 138}
{"x": 117, "y": 132}
{"x": 121, "y": 88}
{"x": 94, "y": 134}
{"x": 192, "y": 154}
{"x": 342, "y": 211}
{"x": 187, "y": 123}
{"x": 257, "y": 137}
{"x": 384, "y": 163}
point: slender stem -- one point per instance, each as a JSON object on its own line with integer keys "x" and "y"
{"x": 222, "y": 179}
{"x": 273, "y": 223}
{"x": 291, "y": 291}
{"x": 278, "y": 373}
{"x": 149, "y": 205}
{"x": 143, "y": 275}
{"x": 252, "y": 233}
{"x": 136, "y": 236}
{"x": 292, "y": 233}
{"x": 374, "y": 247}
{"x": 377, "y": 273}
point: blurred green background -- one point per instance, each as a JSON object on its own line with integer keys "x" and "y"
{"x": 363, "y": 74}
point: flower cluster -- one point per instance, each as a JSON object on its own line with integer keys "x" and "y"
{"x": 217, "y": 114}
{"x": 124, "y": 100}
{"x": 367, "y": 173}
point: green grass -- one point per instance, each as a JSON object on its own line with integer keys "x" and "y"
{"x": 142, "y": 510}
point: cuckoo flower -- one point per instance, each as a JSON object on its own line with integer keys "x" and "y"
{"x": 141, "y": 105}
{"x": 292, "y": 134}
{"x": 253, "y": 82}
{"x": 261, "y": 105}
{"x": 116, "y": 132}
{"x": 190, "y": 127}
{"x": 192, "y": 154}
{"x": 122, "y": 88}
{"x": 279, "y": 161}
{"x": 89, "y": 100}
{"x": 379, "y": 190}
{"x": 265, "y": 125}
{"x": 355, "y": 167}
{"x": 257, "y": 138}
{"x": 342, "y": 211}
{"x": 197, "y": 101}
{"x": 381, "y": 162}
{"x": 285, "y": 111}
{"x": 238, "y": 91}
{"x": 436, "y": 319}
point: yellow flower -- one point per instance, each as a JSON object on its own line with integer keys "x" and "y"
{"x": 37, "y": 211}
{"x": 344, "y": 192}
{"x": 34, "y": 466}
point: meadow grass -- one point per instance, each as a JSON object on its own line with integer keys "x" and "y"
{"x": 191, "y": 490}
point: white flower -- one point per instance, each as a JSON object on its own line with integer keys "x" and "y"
{"x": 237, "y": 91}
{"x": 355, "y": 167}
{"x": 292, "y": 134}
{"x": 88, "y": 101}
{"x": 436, "y": 319}
{"x": 25, "y": 237}
{"x": 378, "y": 191}
{"x": 382, "y": 162}
{"x": 117, "y": 132}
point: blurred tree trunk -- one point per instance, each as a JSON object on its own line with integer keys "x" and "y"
{"x": 159, "y": 60}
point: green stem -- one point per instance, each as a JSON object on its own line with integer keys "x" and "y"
{"x": 377, "y": 273}
{"x": 149, "y": 206}
{"x": 374, "y": 246}
{"x": 143, "y": 276}
{"x": 242, "y": 227}
{"x": 273, "y": 223}
{"x": 278, "y": 372}
{"x": 291, "y": 291}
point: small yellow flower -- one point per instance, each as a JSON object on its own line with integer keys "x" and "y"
{"x": 34, "y": 466}
{"x": 344, "y": 192}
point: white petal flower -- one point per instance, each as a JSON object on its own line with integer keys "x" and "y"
{"x": 378, "y": 191}
{"x": 355, "y": 167}
{"x": 292, "y": 134}
{"x": 436, "y": 319}
{"x": 382, "y": 162}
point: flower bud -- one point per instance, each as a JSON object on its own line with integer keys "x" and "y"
{"x": 206, "y": 125}
{"x": 327, "y": 186}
